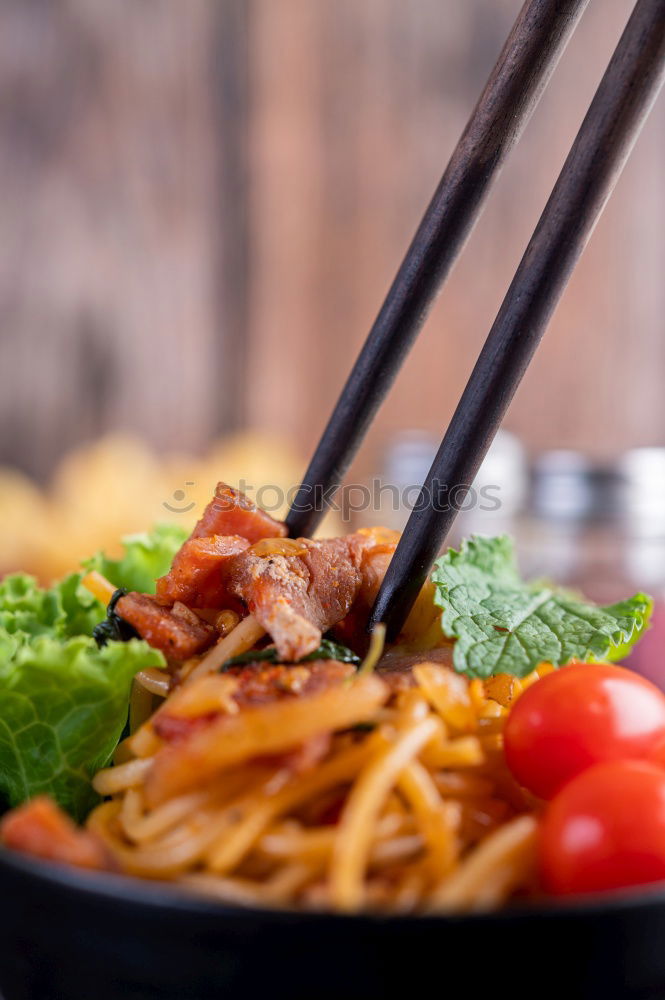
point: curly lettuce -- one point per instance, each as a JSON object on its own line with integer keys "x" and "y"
{"x": 147, "y": 556}
{"x": 28, "y": 611}
{"x": 63, "y": 701}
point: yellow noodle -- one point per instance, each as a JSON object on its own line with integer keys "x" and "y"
{"x": 162, "y": 859}
{"x": 144, "y": 742}
{"x": 245, "y": 635}
{"x": 503, "y": 858}
{"x": 211, "y": 693}
{"x": 411, "y": 707}
{"x": 437, "y": 819}
{"x": 462, "y": 784}
{"x": 476, "y": 695}
{"x": 361, "y": 812}
{"x": 156, "y": 681}
{"x": 258, "y": 811}
{"x": 466, "y": 751}
{"x": 394, "y": 851}
{"x": 98, "y": 586}
{"x": 266, "y": 729}
{"x": 427, "y": 802}
{"x": 308, "y": 845}
{"x": 448, "y": 694}
{"x": 116, "y": 779}
{"x": 409, "y": 892}
{"x": 288, "y": 880}
{"x": 141, "y": 827}
{"x": 238, "y": 837}
{"x": 314, "y": 846}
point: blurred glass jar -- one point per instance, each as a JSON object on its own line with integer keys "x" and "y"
{"x": 405, "y": 463}
{"x": 601, "y": 530}
{"x": 491, "y": 507}
{"x": 498, "y": 497}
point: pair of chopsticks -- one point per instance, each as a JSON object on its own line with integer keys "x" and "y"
{"x": 602, "y": 145}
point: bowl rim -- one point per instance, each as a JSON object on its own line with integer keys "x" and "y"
{"x": 155, "y": 895}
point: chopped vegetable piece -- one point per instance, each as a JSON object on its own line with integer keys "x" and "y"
{"x": 113, "y": 626}
{"x": 99, "y": 586}
{"x": 326, "y": 651}
{"x": 40, "y": 828}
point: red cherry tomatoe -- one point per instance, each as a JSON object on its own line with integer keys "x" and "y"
{"x": 605, "y": 830}
{"x": 578, "y": 716}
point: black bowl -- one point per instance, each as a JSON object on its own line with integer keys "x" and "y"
{"x": 74, "y": 935}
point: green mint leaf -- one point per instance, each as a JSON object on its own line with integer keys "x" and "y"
{"x": 503, "y": 625}
{"x": 63, "y": 706}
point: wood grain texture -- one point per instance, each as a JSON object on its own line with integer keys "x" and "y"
{"x": 195, "y": 234}
{"x": 109, "y": 181}
{"x": 395, "y": 85}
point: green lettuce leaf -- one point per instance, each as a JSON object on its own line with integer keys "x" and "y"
{"x": 28, "y": 611}
{"x": 81, "y": 609}
{"x": 67, "y": 608}
{"x": 147, "y": 556}
{"x": 503, "y": 625}
{"x": 63, "y": 701}
{"x": 63, "y": 705}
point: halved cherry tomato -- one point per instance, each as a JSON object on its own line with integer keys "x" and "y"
{"x": 578, "y": 716}
{"x": 605, "y": 830}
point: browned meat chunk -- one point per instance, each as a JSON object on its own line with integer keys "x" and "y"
{"x": 197, "y": 575}
{"x": 177, "y": 632}
{"x": 296, "y": 589}
{"x": 230, "y": 512}
{"x": 258, "y": 684}
{"x": 305, "y": 757}
{"x": 41, "y": 828}
{"x": 175, "y": 728}
{"x": 377, "y": 551}
{"x": 296, "y": 598}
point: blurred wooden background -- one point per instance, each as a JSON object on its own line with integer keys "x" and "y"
{"x": 204, "y": 203}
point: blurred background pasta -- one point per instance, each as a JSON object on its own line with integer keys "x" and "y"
{"x": 203, "y": 205}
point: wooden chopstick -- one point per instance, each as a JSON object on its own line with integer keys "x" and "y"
{"x": 527, "y": 60}
{"x": 614, "y": 119}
